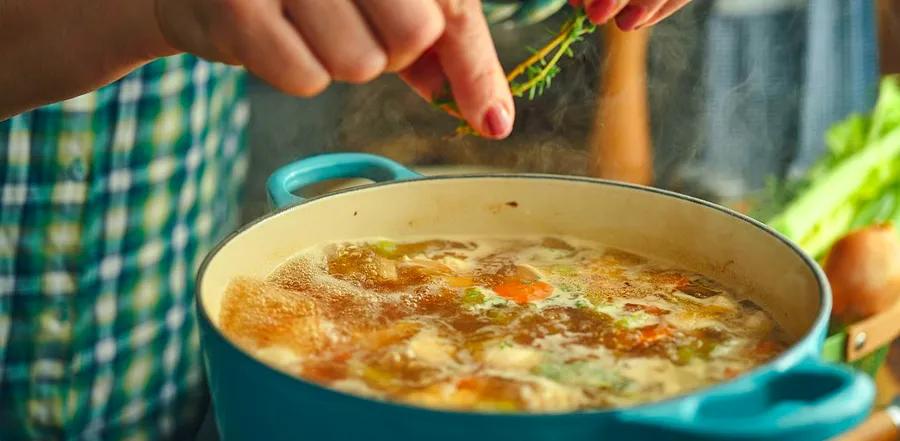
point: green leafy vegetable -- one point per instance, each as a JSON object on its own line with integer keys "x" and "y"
{"x": 856, "y": 184}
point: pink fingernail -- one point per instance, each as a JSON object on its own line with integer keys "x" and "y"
{"x": 599, "y": 11}
{"x": 630, "y": 16}
{"x": 497, "y": 122}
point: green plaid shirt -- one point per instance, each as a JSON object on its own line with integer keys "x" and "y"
{"x": 109, "y": 203}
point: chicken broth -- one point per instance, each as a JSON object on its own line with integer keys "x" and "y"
{"x": 493, "y": 324}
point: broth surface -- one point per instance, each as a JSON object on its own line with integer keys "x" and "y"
{"x": 546, "y": 324}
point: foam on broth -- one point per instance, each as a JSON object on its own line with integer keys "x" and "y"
{"x": 535, "y": 324}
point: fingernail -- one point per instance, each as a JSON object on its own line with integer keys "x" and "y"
{"x": 599, "y": 11}
{"x": 630, "y": 16}
{"x": 497, "y": 121}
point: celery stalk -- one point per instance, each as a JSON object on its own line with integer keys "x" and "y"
{"x": 817, "y": 243}
{"x": 835, "y": 187}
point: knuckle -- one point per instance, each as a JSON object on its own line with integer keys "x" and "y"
{"x": 362, "y": 68}
{"x": 310, "y": 86}
{"x": 230, "y": 12}
{"x": 460, "y": 11}
{"x": 298, "y": 78}
{"x": 228, "y": 18}
{"x": 421, "y": 36}
{"x": 413, "y": 40}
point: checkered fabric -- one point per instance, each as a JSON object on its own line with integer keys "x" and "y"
{"x": 109, "y": 203}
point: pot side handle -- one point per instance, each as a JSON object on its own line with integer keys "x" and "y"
{"x": 812, "y": 401}
{"x": 316, "y": 169}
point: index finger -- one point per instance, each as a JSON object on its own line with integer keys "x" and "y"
{"x": 467, "y": 55}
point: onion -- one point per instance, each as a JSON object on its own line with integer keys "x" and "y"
{"x": 863, "y": 269}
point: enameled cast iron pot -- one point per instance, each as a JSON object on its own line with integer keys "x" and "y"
{"x": 794, "y": 397}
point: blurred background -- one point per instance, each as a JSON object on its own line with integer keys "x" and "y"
{"x": 714, "y": 102}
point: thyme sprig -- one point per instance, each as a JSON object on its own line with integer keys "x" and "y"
{"x": 537, "y": 71}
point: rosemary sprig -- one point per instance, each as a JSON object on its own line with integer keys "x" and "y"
{"x": 537, "y": 70}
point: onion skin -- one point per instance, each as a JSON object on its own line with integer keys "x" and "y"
{"x": 863, "y": 269}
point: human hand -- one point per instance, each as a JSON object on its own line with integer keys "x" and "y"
{"x": 629, "y": 14}
{"x": 300, "y": 46}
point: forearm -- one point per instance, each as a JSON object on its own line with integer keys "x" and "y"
{"x": 53, "y": 50}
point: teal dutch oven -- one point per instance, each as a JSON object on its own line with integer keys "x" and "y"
{"x": 796, "y": 396}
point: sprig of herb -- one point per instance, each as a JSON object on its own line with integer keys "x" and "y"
{"x": 538, "y": 70}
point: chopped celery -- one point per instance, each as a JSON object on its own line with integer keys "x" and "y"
{"x": 386, "y": 248}
{"x": 684, "y": 354}
{"x": 473, "y": 296}
{"x": 635, "y": 320}
{"x": 694, "y": 349}
{"x": 583, "y": 373}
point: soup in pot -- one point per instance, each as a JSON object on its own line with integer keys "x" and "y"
{"x": 549, "y": 324}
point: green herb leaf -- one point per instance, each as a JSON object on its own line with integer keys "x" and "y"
{"x": 538, "y": 69}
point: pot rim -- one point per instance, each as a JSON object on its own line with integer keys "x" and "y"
{"x": 790, "y": 357}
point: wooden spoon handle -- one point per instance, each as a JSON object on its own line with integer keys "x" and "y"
{"x": 620, "y": 139}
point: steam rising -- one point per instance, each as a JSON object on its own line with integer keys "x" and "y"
{"x": 386, "y": 118}
{"x": 552, "y": 131}
{"x": 728, "y": 111}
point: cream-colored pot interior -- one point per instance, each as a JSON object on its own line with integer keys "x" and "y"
{"x": 695, "y": 235}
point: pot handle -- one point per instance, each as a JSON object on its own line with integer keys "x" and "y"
{"x": 812, "y": 401}
{"x": 315, "y": 169}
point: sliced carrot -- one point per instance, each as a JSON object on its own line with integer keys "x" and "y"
{"x": 766, "y": 348}
{"x": 524, "y": 292}
{"x": 342, "y": 357}
{"x": 653, "y": 333}
{"x": 731, "y": 372}
{"x": 470, "y": 383}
